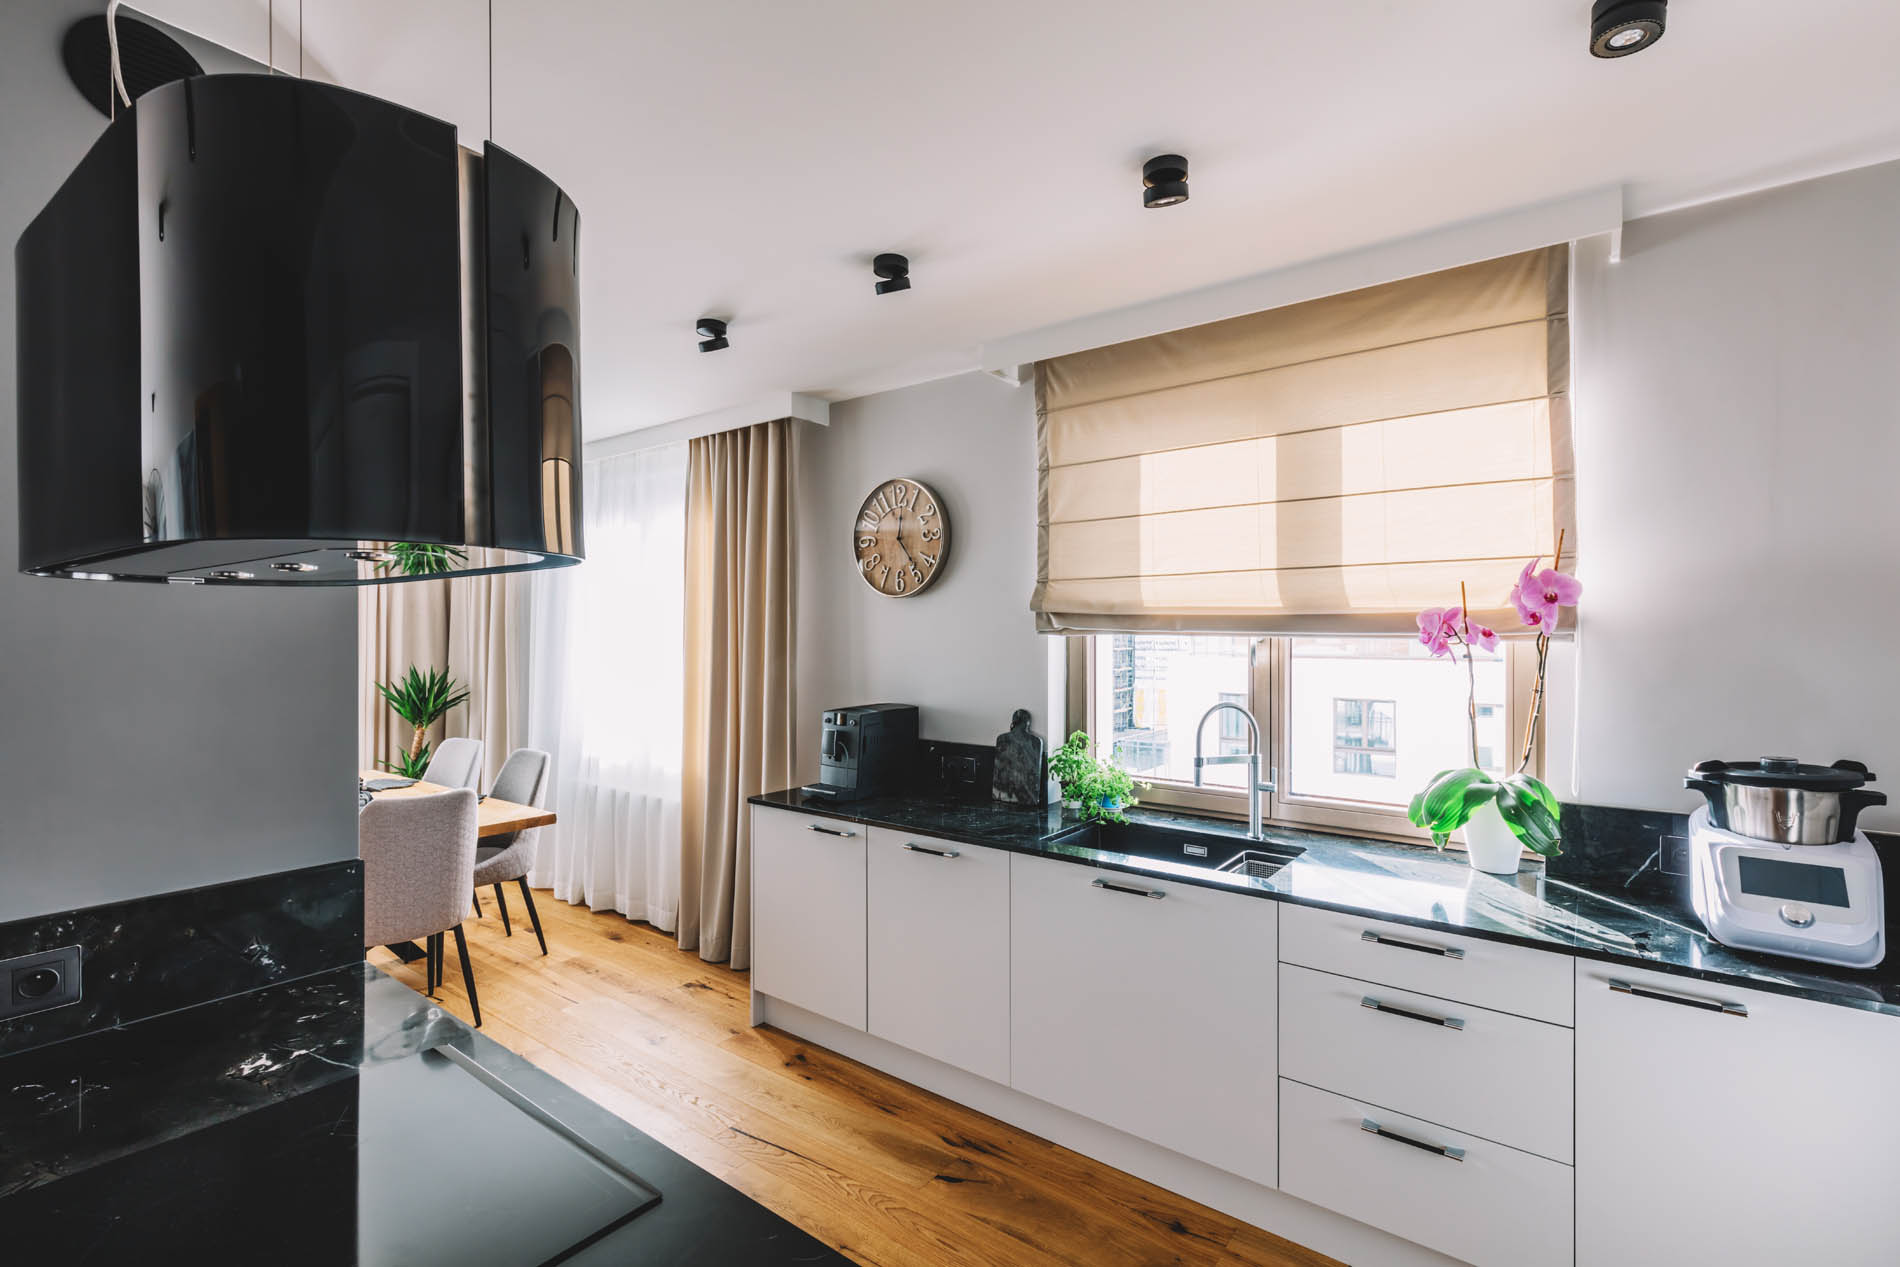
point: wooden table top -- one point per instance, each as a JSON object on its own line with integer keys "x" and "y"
{"x": 497, "y": 817}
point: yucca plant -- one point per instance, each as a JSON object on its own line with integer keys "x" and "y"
{"x": 420, "y": 699}
{"x": 417, "y": 558}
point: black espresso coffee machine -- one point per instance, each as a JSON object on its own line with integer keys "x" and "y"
{"x": 865, "y": 751}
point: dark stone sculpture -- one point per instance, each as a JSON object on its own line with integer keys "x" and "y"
{"x": 1019, "y": 778}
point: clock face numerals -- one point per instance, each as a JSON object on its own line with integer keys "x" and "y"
{"x": 900, "y": 538}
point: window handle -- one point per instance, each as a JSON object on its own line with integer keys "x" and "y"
{"x": 1446, "y": 1151}
{"x": 1449, "y": 952}
{"x": 827, "y": 831}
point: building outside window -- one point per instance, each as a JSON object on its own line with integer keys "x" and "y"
{"x": 1365, "y": 734}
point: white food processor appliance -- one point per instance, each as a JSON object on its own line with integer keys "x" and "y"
{"x": 1778, "y": 865}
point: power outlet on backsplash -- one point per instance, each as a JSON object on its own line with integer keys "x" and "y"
{"x": 42, "y": 980}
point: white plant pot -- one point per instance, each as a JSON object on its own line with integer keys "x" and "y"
{"x": 1490, "y": 843}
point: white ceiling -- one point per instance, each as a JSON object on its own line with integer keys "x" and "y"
{"x": 747, "y": 159}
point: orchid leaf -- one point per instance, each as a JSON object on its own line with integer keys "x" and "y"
{"x": 1529, "y": 818}
{"x": 1538, "y": 789}
{"x": 1445, "y": 797}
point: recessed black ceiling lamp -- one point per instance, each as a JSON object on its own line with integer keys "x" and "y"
{"x": 1164, "y": 181}
{"x": 712, "y": 333}
{"x": 1621, "y": 27}
{"x": 895, "y": 270}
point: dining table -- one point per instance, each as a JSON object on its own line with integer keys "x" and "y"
{"x": 494, "y": 817}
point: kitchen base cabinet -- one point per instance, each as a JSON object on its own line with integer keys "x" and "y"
{"x": 1148, "y": 1005}
{"x": 1487, "y": 1204}
{"x": 939, "y": 949}
{"x": 1720, "y": 1125}
{"x": 808, "y": 913}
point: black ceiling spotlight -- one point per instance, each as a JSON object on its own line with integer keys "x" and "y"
{"x": 1164, "y": 181}
{"x": 1621, "y": 27}
{"x": 895, "y": 270}
{"x": 712, "y": 334}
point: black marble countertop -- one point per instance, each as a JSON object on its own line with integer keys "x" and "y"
{"x": 240, "y": 1130}
{"x": 1644, "y": 924}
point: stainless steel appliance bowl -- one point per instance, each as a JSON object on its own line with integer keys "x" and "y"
{"x": 1780, "y": 800}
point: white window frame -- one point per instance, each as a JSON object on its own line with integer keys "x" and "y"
{"x": 1270, "y": 702}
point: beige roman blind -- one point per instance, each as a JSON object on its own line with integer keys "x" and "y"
{"x": 1331, "y": 466}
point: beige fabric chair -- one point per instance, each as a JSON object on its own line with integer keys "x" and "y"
{"x": 456, "y": 763}
{"x": 523, "y": 780}
{"x": 417, "y": 853}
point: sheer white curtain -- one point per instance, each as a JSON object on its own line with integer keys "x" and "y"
{"x": 605, "y": 692}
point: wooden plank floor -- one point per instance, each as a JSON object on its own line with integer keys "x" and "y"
{"x": 889, "y": 1174}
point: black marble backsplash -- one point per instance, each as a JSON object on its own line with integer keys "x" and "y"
{"x": 157, "y": 954}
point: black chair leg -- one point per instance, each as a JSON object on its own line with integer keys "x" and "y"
{"x": 468, "y": 975}
{"x": 502, "y": 902}
{"x": 478, "y": 904}
{"x": 527, "y": 896}
{"x": 430, "y": 948}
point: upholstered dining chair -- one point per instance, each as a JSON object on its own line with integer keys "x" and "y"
{"x": 417, "y": 852}
{"x": 457, "y": 763}
{"x": 523, "y": 780}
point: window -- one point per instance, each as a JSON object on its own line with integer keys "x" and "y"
{"x": 1353, "y": 726}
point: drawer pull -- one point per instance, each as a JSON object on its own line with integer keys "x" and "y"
{"x": 828, "y": 831}
{"x": 1449, "y": 952}
{"x": 1371, "y": 1127}
{"x": 1129, "y": 889}
{"x": 935, "y": 853}
{"x": 1663, "y": 996}
{"x": 1449, "y": 1022}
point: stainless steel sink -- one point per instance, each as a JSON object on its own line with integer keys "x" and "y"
{"x": 1217, "y": 851}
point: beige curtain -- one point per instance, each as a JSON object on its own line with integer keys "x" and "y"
{"x": 487, "y": 640}
{"x": 1331, "y": 466}
{"x": 740, "y": 714}
{"x": 396, "y": 626}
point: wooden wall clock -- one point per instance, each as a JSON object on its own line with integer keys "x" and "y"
{"x": 901, "y": 538}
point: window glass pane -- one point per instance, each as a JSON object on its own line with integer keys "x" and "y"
{"x": 1373, "y": 719}
{"x": 1151, "y": 692}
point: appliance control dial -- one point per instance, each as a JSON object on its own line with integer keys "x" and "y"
{"x": 1795, "y": 915}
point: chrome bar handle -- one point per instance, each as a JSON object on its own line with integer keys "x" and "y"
{"x": 935, "y": 853}
{"x": 1449, "y": 952}
{"x": 1129, "y": 889}
{"x": 1446, "y": 1151}
{"x": 1663, "y": 996}
{"x": 828, "y": 831}
{"x": 1449, "y": 1022}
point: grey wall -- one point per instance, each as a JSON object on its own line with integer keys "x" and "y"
{"x": 151, "y": 737}
{"x": 1738, "y": 419}
{"x": 966, "y": 650}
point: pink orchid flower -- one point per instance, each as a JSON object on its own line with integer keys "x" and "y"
{"x": 1484, "y": 637}
{"x": 1528, "y": 597}
{"x": 1437, "y": 626}
{"x": 1555, "y": 588}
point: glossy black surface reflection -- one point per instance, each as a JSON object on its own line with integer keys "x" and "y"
{"x": 253, "y": 339}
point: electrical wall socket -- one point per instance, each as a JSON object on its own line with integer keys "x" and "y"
{"x": 36, "y": 982}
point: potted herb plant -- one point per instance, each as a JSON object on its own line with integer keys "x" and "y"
{"x": 1499, "y": 816}
{"x": 420, "y": 699}
{"x": 1097, "y": 786}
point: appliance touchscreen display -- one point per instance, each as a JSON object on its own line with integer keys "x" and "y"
{"x": 1793, "y": 881}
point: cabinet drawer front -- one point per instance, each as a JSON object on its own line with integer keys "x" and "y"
{"x": 1153, "y": 1015}
{"x": 1503, "y": 1077}
{"x": 1514, "y": 979}
{"x": 1492, "y": 1207}
{"x": 938, "y": 941}
{"x": 808, "y": 913}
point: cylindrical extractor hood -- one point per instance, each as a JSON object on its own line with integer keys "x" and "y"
{"x": 273, "y": 331}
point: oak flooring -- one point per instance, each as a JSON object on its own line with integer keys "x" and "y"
{"x": 891, "y": 1175}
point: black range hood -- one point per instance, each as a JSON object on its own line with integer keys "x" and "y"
{"x": 273, "y": 331}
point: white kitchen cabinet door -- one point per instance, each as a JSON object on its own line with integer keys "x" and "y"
{"x": 1706, "y": 1136}
{"x": 1155, "y": 1015}
{"x": 429, "y": 55}
{"x": 808, "y": 912}
{"x": 243, "y": 26}
{"x": 938, "y": 940}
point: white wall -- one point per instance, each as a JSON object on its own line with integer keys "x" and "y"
{"x": 1738, "y": 420}
{"x": 966, "y": 649}
{"x": 151, "y": 737}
